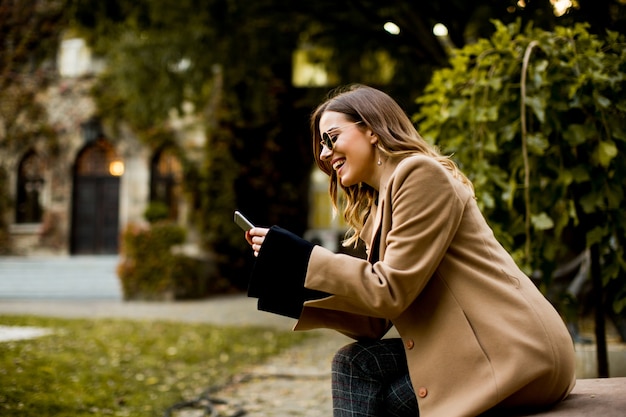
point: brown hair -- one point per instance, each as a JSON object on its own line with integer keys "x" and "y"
{"x": 397, "y": 137}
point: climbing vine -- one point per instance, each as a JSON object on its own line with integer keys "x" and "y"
{"x": 537, "y": 119}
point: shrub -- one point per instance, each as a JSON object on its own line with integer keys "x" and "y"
{"x": 151, "y": 270}
{"x": 537, "y": 121}
{"x": 156, "y": 211}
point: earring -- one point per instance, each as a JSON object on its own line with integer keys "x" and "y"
{"x": 379, "y": 162}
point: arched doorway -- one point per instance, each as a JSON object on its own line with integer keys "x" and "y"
{"x": 95, "y": 200}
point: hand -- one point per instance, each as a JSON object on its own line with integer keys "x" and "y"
{"x": 256, "y": 237}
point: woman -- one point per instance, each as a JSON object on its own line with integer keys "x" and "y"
{"x": 476, "y": 334}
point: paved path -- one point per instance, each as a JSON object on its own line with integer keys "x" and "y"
{"x": 75, "y": 277}
{"x": 223, "y": 310}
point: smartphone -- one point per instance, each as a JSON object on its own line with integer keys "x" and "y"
{"x": 242, "y": 222}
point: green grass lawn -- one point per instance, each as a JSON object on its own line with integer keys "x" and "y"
{"x": 123, "y": 367}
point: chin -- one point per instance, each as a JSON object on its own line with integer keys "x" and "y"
{"x": 346, "y": 183}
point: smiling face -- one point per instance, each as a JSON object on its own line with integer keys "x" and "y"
{"x": 354, "y": 156}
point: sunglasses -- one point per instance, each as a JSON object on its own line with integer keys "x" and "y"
{"x": 328, "y": 140}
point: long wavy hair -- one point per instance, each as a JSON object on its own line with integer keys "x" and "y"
{"x": 397, "y": 138}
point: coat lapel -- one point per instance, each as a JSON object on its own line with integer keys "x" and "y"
{"x": 370, "y": 230}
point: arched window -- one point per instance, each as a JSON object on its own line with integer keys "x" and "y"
{"x": 29, "y": 186}
{"x": 98, "y": 159}
{"x": 165, "y": 180}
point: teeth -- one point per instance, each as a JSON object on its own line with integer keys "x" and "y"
{"x": 338, "y": 164}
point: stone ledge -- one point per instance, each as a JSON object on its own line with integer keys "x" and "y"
{"x": 25, "y": 228}
{"x": 601, "y": 397}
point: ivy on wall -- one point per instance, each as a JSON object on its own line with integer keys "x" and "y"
{"x": 537, "y": 120}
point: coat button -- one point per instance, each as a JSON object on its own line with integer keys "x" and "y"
{"x": 409, "y": 343}
{"x": 422, "y": 392}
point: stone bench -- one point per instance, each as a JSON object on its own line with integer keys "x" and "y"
{"x": 602, "y": 397}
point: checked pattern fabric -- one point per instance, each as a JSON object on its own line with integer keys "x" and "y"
{"x": 371, "y": 379}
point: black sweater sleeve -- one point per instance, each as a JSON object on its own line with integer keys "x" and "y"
{"x": 278, "y": 275}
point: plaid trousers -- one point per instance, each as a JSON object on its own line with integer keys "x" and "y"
{"x": 371, "y": 379}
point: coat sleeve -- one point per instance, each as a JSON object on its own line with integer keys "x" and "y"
{"x": 277, "y": 278}
{"x": 420, "y": 216}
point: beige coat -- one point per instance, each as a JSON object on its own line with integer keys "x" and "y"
{"x": 477, "y": 332}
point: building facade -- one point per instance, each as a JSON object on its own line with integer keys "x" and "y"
{"x": 75, "y": 197}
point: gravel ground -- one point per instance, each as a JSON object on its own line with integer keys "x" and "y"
{"x": 293, "y": 384}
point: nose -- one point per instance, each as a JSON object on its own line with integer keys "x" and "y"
{"x": 325, "y": 153}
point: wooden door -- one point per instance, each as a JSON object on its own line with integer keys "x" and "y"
{"x": 95, "y": 202}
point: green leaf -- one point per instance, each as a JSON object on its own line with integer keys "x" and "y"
{"x": 538, "y": 106}
{"x": 491, "y": 144}
{"x": 616, "y": 130}
{"x": 537, "y": 143}
{"x": 619, "y": 305}
{"x": 590, "y": 202}
{"x": 575, "y": 134}
{"x": 542, "y": 221}
{"x": 614, "y": 195}
{"x": 572, "y": 211}
{"x": 566, "y": 177}
{"x": 595, "y": 235}
{"x": 508, "y": 195}
{"x": 508, "y": 131}
{"x": 495, "y": 83}
{"x": 456, "y": 108}
{"x": 610, "y": 271}
{"x": 581, "y": 173}
{"x": 487, "y": 200}
{"x": 606, "y": 151}
{"x": 487, "y": 114}
{"x": 602, "y": 101}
